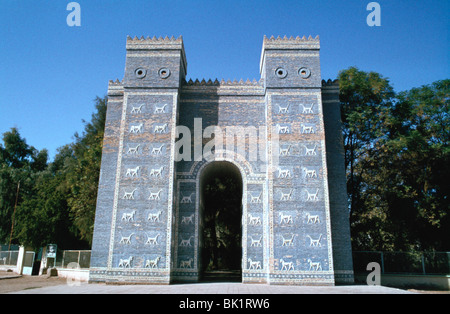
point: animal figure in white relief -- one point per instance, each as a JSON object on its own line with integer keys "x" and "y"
{"x": 155, "y": 195}
{"x": 282, "y": 129}
{"x": 186, "y": 242}
{"x": 309, "y": 173}
{"x": 186, "y": 263}
{"x": 156, "y": 172}
{"x": 157, "y": 150}
{"x": 152, "y": 240}
{"x": 126, "y": 263}
{"x": 154, "y": 217}
{"x": 312, "y": 219}
{"x": 160, "y": 108}
{"x": 254, "y": 264}
{"x": 283, "y": 109}
{"x": 133, "y": 150}
{"x": 307, "y": 109}
{"x": 132, "y": 172}
{"x": 136, "y": 128}
{"x": 288, "y": 241}
{"x": 128, "y": 216}
{"x": 160, "y": 128}
{"x": 186, "y": 199}
{"x": 126, "y": 240}
{"x": 285, "y": 151}
{"x": 254, "y": 220}
{"x": 314, "y": 242}
{"x": 255, "y": 242}
{"x": 287, "y": 219}
{"x": 286, "y": 196}
{"x": 129, "y": 195}
{"x": 310, "y": 151}
{"x": 314, "y": 266}
{"x": 307, "y": 129}
{"x": 186, "y": 220}
{"x": 286, "y": 265}
{"x": 312, "y": 196}
{"x": 255, "y": 199}
{"x": 284, "y": 173}
{"x": 152, "y": 263}
{"x": 137, "y": 109}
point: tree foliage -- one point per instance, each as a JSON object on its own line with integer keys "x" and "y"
{"x": 22, "y": 163}
{"x": 84, "y": 172}
{"x": 397, "y": 157}
{"x": 56, "y": 201}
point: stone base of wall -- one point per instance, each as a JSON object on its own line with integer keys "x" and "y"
{"x": 76, "y": 275}
{"x": 132, "y": 276}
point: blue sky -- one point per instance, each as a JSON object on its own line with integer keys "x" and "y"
{"x": 50, "y": 72}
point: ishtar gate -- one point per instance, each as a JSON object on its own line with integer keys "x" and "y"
{"x": 168, "y": 141}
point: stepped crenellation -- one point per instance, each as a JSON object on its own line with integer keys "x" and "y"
{"x": 223, "y": 82}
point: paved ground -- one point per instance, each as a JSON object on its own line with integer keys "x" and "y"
{"x": 13, "y": 283}
{"x": 44, "y": 285}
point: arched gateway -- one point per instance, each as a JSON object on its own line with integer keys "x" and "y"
{"x": 234, "y": 176}
{"x": 220, "y": 208}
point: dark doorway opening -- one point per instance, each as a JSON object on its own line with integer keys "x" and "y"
{"x": 221, "y": 227}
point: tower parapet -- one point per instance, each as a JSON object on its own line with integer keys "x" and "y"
{"x": 291, "y": 62}
{"x": 155, "y": 62}
{"x": 291, "y": 42}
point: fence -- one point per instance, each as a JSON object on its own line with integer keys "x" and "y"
{"x": 82, "y": 258}
{"x": 415, "y": 263}
{"x": 423, "y": 263}
{"x": 9, "y": 258}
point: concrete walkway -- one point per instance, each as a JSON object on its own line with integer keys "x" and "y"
{"x": 209, "y": 288}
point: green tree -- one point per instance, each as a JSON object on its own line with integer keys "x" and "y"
{"x": 396, "y": 152}
{"x": 84, "y": 171}
{"x": 417, "y": 167}
{"x": 15, "y": 153}
{"x": 43, "y": 217}
{"x": 42, "y": 213}
{"x": 366, "y": 99}
{"x": 17, "y": 159}
{"x": 56, "y": 201}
